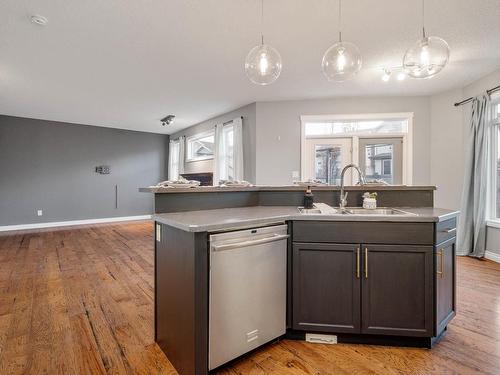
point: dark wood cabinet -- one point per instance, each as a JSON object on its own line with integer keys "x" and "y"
{"x": 445, "y": 283}
{"x": 181, "y": 297}
{"x": 406, "y": 286}
{"x": 397, "y": 293}
{"x": 326, "y": 287}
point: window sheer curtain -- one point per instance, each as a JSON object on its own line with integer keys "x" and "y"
{"x": 176, "y": 158}
{"x": 238, "y": 149}
{"x": 228, "y": 153}
{"x": 182, "y": 154}
{"x": 219, "y": 154}
{"x": 471, "y": 236}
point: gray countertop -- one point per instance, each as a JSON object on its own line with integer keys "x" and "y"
{"x": 208, "y": 189}
{"x": 241, "y": 217}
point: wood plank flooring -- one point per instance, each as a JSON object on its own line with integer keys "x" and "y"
{"x": 80, "y": 301}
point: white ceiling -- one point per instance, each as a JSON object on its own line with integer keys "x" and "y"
{"x": 127, "y": 63}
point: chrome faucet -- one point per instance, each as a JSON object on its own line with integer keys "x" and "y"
{"x": 343, "y": 195}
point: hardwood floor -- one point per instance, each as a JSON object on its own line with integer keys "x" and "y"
{"x": 80, "y": 301}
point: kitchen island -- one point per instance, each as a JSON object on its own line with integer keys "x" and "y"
{"x": 378, "y": 279}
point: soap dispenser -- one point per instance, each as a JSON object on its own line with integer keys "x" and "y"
{"x": 308, "y": 198}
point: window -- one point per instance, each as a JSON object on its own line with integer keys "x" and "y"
{"x": 328, "y": 163}
{"x": 200, "y": 146}
{"x": 378, "y": 162}
{"x": 380, "y": 144}
{"x": 356, "y": 127}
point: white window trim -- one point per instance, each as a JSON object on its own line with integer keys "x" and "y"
{"x": 189, "y": 159}
{"x": 492, "y": 220}
{"x": 407, "y": 137}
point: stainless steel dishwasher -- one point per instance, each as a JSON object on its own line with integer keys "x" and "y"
{"x": 247, "y": 300}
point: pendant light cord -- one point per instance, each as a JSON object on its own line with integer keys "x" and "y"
{"x": 423, "y": 18}
{"x": 340, "y": 20}
{"x": 262, "y": 22}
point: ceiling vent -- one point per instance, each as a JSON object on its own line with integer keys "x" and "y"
{"x": 39, "y": 20}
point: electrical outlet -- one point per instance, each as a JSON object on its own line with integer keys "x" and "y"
{"x": 39, "y": 212}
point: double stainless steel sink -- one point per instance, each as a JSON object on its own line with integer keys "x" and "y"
{"x": 324, "y": 209}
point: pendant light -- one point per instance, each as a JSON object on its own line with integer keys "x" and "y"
{"x": 263, "y": 62}
{"x": 428, "y": 56}
{"x": 342, "y": 61}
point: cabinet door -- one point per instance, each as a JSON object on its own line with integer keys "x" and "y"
{"x": 326, "y": 287}
{"x": 445, "y": 284}
{"x": 397, "y": 290}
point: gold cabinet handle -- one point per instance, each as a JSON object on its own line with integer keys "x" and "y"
{"x": 158, "y": 232}
{"x": 441, "y": 261}
{"x": 357, "y": 263}
{"x": 366, "y": 263}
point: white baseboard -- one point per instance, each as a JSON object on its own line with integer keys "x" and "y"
{"x": 72, "y": 222}
{"x": 492, "y": 256}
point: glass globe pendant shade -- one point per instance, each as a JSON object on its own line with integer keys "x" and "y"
{"x": 341, "y": 62}
{"x": 426, "y": 58}
{"x": 263, "y": 65}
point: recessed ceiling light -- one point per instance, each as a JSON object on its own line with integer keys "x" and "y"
{"x": 39, "y": 20}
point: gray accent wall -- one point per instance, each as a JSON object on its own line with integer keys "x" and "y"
{"x": 248, "y": 113}
{"x": 50, "y": 166}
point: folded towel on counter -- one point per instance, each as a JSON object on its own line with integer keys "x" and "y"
{"x": 235, "y": 183}
{"x": 180, "y": 183}
{"x": 311, "y": 182}
{"x": 376, "y": 182}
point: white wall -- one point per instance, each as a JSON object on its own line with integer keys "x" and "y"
{"x": 278, "y": 132}
{"x": 447, "y": 148}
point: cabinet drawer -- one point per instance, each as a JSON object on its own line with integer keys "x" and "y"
{"x": 364, "y": 232}
{"x": 446, "y": 230}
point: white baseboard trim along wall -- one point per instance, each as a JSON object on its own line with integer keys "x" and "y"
{"x": 72, "y": 222}
{"x": 492, "y": 256}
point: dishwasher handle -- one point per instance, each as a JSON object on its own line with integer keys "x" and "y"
{"x": 237, "y": 245}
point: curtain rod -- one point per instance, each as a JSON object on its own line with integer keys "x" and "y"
{"x": 230, "y": 121}
{"x": 490, "y": 91}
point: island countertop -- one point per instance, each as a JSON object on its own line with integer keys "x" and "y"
{"x": 241, "y": 217}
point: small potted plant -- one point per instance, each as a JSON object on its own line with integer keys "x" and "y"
{"x": 370, "y": 201}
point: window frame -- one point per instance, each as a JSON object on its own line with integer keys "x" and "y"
{"x": 407, "y": 162}
{"x": 190, "y": 139}
{"x": 491, "y": 212}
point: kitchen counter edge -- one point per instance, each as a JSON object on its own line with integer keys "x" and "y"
{"x": 244, "y": 217}
{"x": 209, "y": 189}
